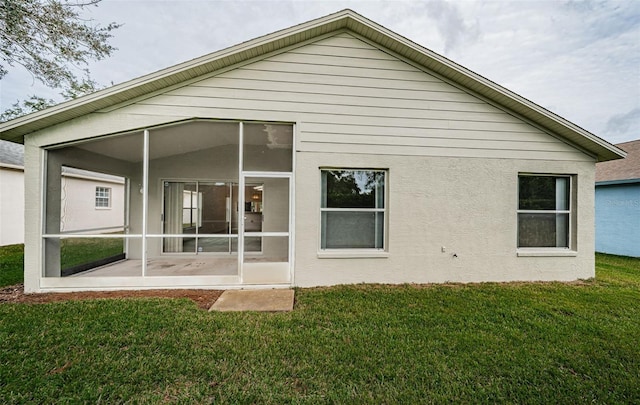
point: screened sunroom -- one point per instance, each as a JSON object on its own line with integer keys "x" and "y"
{"x": 205, "y": 203}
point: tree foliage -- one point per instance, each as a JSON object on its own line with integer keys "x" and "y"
{"x": 37, "y": 103}
{"x": 352, "y": 188}
{"x": 47, "y": 36}
{"x": 54, "y": 42}
{"x": 24, "y": 107}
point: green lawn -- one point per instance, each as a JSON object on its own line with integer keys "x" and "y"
{"x": 72, "y": 253}
{"x": 85, "y": 250}
{"x": 480, "y": 343}
{"x": 11, "y": 264}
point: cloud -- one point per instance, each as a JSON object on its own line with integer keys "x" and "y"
{"x": 451, "y": 23}
{"x": 624, "y": 124}
{"x": 578, "y": 58}
{"x": 603, "y": 19}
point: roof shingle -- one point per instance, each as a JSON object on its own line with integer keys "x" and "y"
{"x": 11, "y": 153}
{"x": 621, "y": 169}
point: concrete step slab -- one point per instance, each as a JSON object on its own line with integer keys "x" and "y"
{"x": 274, "y": 300}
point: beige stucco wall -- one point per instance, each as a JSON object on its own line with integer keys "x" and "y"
{"x": 467, "y": 206}
{"x": 33, "y": 198}
{"x": 11, "y": 206}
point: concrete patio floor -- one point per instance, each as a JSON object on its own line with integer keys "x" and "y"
{"x": 167, "y": 267}
{"x": 257, "y": 270}
{"x": 275, "y": 300}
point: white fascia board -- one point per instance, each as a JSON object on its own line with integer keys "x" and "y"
{"x": 12, "y": 167}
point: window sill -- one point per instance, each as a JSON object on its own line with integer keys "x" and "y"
{"x": 103, "y": 208}
{"x": 353, "y": 254}
{"x": 546, "y": 253}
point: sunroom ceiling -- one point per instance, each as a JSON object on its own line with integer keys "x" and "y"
{"x": 187, "y": 137}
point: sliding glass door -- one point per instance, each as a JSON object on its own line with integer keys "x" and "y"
{"x": 201, "y": 217}
{"x": 218, "y": 217}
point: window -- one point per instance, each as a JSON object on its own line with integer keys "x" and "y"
{"x": 544, "y": 211}
{"x": 353, "y": 209}
{"x": 103, "y": 197}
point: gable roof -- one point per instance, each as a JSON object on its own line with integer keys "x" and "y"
{"x": 343, "y": 20}
{"x": 623, "y": 169}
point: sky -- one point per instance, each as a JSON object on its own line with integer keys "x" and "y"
{"x": 578, "y": 59}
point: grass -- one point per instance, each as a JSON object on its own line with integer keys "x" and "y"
{"x": 72, "y": 252}
{"x": 480, "y": 343}
{"x": 84, "y": 250}
{"x": 11, "y": 264}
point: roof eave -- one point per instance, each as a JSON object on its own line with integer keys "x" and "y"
{"x": 16, "y": 129}
{"x": 11, "y": 166}
{"x": 617, "y": 182}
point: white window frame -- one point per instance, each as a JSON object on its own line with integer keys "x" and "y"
{"x": 547, "y": 250}
{"x": 100, "y": 196}
{"x": 355, "y": 252}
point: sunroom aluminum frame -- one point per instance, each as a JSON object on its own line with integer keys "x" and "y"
{"x": 146, "y": 281}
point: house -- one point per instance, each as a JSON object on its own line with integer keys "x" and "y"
{"x": 11, "y": 193}
{"x": 335, "y": 151}
{"x": 618, "y": 203}
{"x": 88, "y": 200}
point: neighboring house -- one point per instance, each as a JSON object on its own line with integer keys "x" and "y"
{"x": 88, "y": 200}
{"x": 11, "y": 193}
{"x": 331, "y": 152}
{"x": 618, "y": 203}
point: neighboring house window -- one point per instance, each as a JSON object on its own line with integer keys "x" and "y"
{"x": 544, "y": 211}
{"x": 353, "y": 209}
{"x": 103, "y": 197}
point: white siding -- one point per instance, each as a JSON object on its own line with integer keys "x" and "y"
{"x": 11, "y": 206}
{"x": 349, "y": 96}
{"x": 345, "y": 95}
